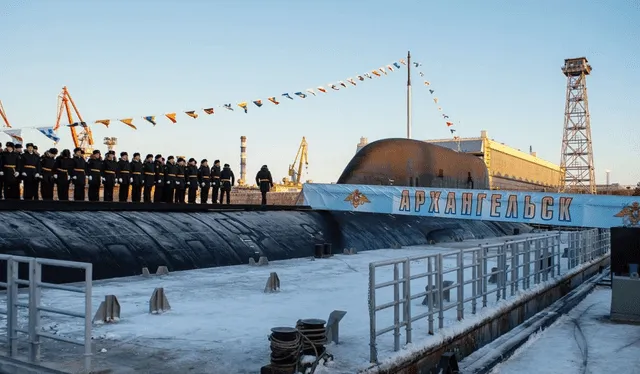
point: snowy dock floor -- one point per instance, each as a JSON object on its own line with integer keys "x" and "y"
{"x": 220, "y": 317}
{"x": 583, "y": 341}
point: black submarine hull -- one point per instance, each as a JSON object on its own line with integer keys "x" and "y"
{"x": 119, "y": 241}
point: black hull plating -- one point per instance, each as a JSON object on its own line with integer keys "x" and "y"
{"x": 121, "y": 243}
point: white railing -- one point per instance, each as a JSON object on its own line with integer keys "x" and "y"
{"x": 464, "y": 279}
{"x": 34, "y": 286}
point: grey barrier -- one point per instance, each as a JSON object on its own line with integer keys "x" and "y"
{"x": 510, "y": 265}
{"x": 35, "y": 285}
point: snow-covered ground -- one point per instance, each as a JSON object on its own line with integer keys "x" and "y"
{"x": 583, "y": 341}
{"x": 220, "y": 317}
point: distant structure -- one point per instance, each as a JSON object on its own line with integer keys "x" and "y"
{"x": 363, "y": 142}
{"x": 577, "y": 151}
{"x": 243, "y": 161}
{"x": 509, "y": 168}
{"x": 608, "y": 177}
{"x": 110, "y": 142}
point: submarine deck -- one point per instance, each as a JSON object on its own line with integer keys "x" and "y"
{"x": 220, "y": 317}
{"x": 70, "y": 206}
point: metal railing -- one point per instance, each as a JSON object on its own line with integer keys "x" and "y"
{"x": 471, "y": 275}
{"x": 35, "y": 285}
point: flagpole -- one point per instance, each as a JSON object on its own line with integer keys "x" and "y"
{"x": 409, "y": 95}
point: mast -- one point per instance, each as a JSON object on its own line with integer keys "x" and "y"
{"x": 409, "y": 95}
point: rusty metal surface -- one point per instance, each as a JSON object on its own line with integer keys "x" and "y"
{"x": 407, "y": 162}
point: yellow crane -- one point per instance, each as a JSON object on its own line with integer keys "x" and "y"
{"x": 295, "y": 169}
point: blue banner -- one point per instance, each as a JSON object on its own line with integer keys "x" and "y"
{"x": 601, "y": 211}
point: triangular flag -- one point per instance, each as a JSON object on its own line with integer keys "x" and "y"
{"x": 15, "y": 134}
{"x": 368, "y": 75}
{"x": 432, "y": 91}
{"x": 311, "y": 92}
{"x": 445, "y": 116}
{"x": 417, "y": 64}
{"x": 383, "y": 71}
{"x": 397, "y": 65}
{"x": 208, "y": 110}
{"x": 449, "y": 124}
{"x": 427, "y": 83}
{"x": 421, "y": 74}
{"x": 192, "y": 114}
{"x": 128, "y": 122}
{"x": 350, "y": 80}
{"x": 258, "y": 103}
{"x": 151, "y": 119}
{"x": 243, "y": 105}
{"x": 171, "y": 117}
{"x": 390, "y": 67}
{"x": 440, "y": 108}
{"x": 302, "y": 96}
{"x": 105, "y": 122}
{"x": 49, "y": 133}
{"x": 334, "y": 87}
{"x": 287, "y": 96}
{"x": 375, "y": 72}
{"x": 456, "y": 138}
{"x": 402, "y": 61}
{"x": 343, "y": 84}
{"x": 452, "y": 130}
{"x": 360, "y": 77}
{"x": 273, "y": 100}
{"x": 322, "y": 89}
{"x": 73, "y": 124}
{"x": 228, "y": 106}
{"x": 435, "y": 100}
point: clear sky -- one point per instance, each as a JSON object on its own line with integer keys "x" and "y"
{"x": 495, "y": 65}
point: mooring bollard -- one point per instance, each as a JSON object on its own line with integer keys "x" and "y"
{"x": 145, "y": 272}
{"x": 109, "y": 310}
{"x": 162, "y": 270}
{"x": 273, "y": 283}
{"x": 158, "y": 302}
{"x": 318, "y": 250}
{"x": 263, "y": 261}
{"x": 326, "y": 250}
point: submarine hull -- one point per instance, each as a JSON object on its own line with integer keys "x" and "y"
{"x": 121, "y": 243}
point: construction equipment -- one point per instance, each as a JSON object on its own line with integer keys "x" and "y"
{"x": 295, "y": 170}
{"x": 83, "y": 138}
{"x": 3, "y": 114}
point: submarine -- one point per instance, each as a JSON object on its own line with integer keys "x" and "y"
{"x": 119, "y": 239}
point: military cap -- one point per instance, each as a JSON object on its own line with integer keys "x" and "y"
{"x": 123, "y": 154}
{"x": 149, "y": 155}
{"x": 29, "y": 145}
{"x": 158, "y": 157}
{"x": 192, "y": 159}
{"x": 203, "y": 160}
{"x": 226, "y": 165}
{"x": 35, "y": 147}
{"x": 76, "y": 150}
{"x": 9, "y": 145}
{"x": 136, "y": 154}
{"x": 181, "y": 159}
{"x": 216, "y": 162}
{"x": 53, "y": 151}
{"x": 112, "y": 152}
{"x": 170, "y": 158}
{"x": 18, "y": 145}
{"x": 96, "y": 151}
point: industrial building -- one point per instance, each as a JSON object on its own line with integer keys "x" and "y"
{"x": 509, "y": 168}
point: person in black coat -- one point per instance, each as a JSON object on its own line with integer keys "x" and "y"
{"x": 123, "y": 175}
{"x": 191, "y": 177}
{"x": 170, "y": 172}
{"x": 63, "y": 168}
{"x": 215, "y": 181}
{"x": 94, "y": 171}
{"x": 10, "y": 161}
{"x": 137, "y": 179}
{"x": 181, "y": 183}
{"x": 204, "y": 178}
{"x": 158, "y": 192}
{"x": 30, "y": 172}
{"x": 227, "y": 179}
{"x": 265, "y": 182}
{"x": 109, "y": 173}
{"x": 79, "y": 174}
{"x": 47, "y": 165}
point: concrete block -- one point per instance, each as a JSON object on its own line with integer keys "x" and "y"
{"x": 109, "y": 310}
{"x": 158, "y": 302}
{"x": 262, "y": 261}
{"x": 333, "y": 325}
{"x": 162, "y": 270}
{"x": 145, "y": 272}
{"x": 273, "y": 283}
{"x": 252, "y": 261}
{"x": 350, "y": 251}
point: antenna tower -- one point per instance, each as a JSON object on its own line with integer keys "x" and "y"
{"x": 577, "y": 150}
{"x": 83, "y": 138}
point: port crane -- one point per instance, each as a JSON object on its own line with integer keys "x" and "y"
{"x": 295, "y": 171}
{"x": 82, "y": 138}
{"x": 3, "y": 114}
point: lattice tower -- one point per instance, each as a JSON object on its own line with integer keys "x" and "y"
{"x": 577, "y": 150}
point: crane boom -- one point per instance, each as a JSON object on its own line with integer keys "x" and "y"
{"x": 82, "y": 139}
{"x": 3, "y": 114}
{"x": 301, "y": 157}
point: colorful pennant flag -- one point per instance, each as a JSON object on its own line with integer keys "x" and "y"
{"x": 301, "y": 95}
{"x": 228, "y": 106}
{"x": 343, "y": 84}
{"x": 192, "y": 114}
{"x": 105, "y": 122}
{"x": 258, "y": 103}
{"x": 151, "y": 119}
{"x": 403, "y": 62}
{"x": 273, "y": 100}
{"x": 449, "y": 124}
{"x": 311, "y": 92}
{"x": 129, "y": 122}
{"x": 350, "y": 80}
{"x": 375, "y": 72}
{"x": 243, "y": 105}
{"x": 360, "y": 77}
{"x": 287, "y": 96}
{"x": 15, "y": 134}
{"x": 369, "y": 75}
{"x": 333, "y": 86}
{"x": 397, "y": 65}
{"x": 208, "y": 110}
{"x": 171, "y": 117}
{"x": 49, "y": 133}
{"x": 322, "y": 89}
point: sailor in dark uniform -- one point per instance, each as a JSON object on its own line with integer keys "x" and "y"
{"x": 63, "y": 168}
{"x": 136, "y": 178}
{"x": 30, "y": 172}
{"x": 124, "y": 177}
{"x": 158, "y": 194}
{"x": 227, "y": 179}
{"x": 47, "y": 167}
{"x": 204, "y": 178}
{"x": 181, "y": 181}
{"x": 10, "y": 161}
{"x": 264, "y": 180}
{"x": 148, "y": 177}
{"x": 191, "y": 175}
{"x": 79, "y": 174}
{"x": 94, "y": 171}
{"x": 215, "y": 181}
{"x": 170, "y": 171}
{"x": 109, "y": 170}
